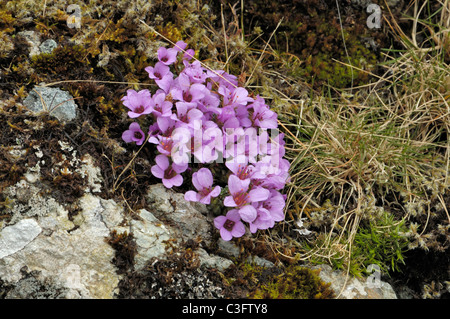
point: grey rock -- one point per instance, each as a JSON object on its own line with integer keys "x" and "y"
{"x": 33, "y": 286}
{"x": 34, "y": 39}
{"x": 212, "y": 261}
{"x": 190, "y": 218}
{"x": 151, "y": 236}
{"x": 228, "y": 248}
{"x": 58, "y": 103}
{"x": 259, "y": 261}
{"x": 14, "y": 238}
{"x": 404, "y": 292}
{"x": 355, "y": 288}
{"x": 72, "y": 253}
{"x": 48, "y": 46}
{"x": 174, "y": 283}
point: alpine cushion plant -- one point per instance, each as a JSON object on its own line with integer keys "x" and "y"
{"x": 202, "y": 117}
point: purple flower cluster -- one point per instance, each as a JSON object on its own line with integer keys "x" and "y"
{"x": 203, "y": 115}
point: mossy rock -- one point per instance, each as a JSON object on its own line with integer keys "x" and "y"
{"x": 296, "y": 282}
{"x": 249, "y": 280}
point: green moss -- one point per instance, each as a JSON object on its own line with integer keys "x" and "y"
{"x": 171, "y": 32}
{"x": 295, "y": 282}
{"x": 318, "y": 40}
{"x": 62, "y": 61}
{"x": 328, "y": 63}
{"x": 249, "y": 280}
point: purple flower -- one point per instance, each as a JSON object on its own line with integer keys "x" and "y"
{"x": 180, "y": 46}
{"x": 239, "y": 166}
{"x": 262, "y": 116}
{"x": 158, "y": 72}
{"x": 195, "y": 72}
{"x": 181, "y": 145}
{"x": 187, "y": 116}
{"x": 162, "y": 106}
{"x": 167, "y": 56}
{"x": 202, "y": 181}
{"x": 138, "y": 102}
{"x": 134, "y": 134}
{"x": 209, "y": 104}
{"x": 188, "y": 54}
{"x": 275, "y": 205}
{"x": 223, "y": 78}
{"x": 230, "y": 225}
{"x": 241, "y": 144}
{"x": 213, "y": 119}
{"x": 272, "y": 172}
{"x": 165, "y": 145}
{"x": 263, "y": 219}
{"x": 212, "y": 144}
{"x": 242, "y": 198}
{"x": 153, "y": 132}
{"x": 186, "y": 92}
{"x": 233, "y": 97}
{"x": 161, "y": 74}
{"x": 169, "y": 173}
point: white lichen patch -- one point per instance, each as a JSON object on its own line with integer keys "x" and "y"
{"x": 33, "y": 174}
{"x": 15, "y": 237}
{"x": 65, "y": 146}
{"x": 16, "y": 152}
{"x": 92, "y": 173}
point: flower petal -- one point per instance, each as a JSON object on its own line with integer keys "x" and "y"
{"x": 127, "y": 136}
{"x": 225, "y": 234}
{"x": 195, "y": 182}
{"x": 133, "y": 115}
{"x": 206, "y": 199}
{"x": 181, "y": 166}
{"x": 141, "y": 140}
{"x": 215, "y": 192}
{"x": 277, "y": 214}
{"x": 165, "y": 82}
{"x": 248, "y": 213}
{"x": 219, "y": 221}
{"x": 204, "y": 177}
{"x": 191, "y": 196}
{"x": 232, "y": 165}
{"x": 238, "y": 230}
{"x": 234, "y": 215}
{"x": 157, "y": 171}
{"x": 229, "y": 202}
{"x": 258, "y": 194}
{"x": 177, "y": 180}
{"x": 180, "y": 46}
{"x": 135, "y": 126}
{"x": 235, "y": 184}
{"x": 163, "y": 123}
{"x": 162, "y": 161}
{"x": 167, "y": 183}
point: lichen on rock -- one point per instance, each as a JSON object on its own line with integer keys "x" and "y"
{"x": 52, "y": 100}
